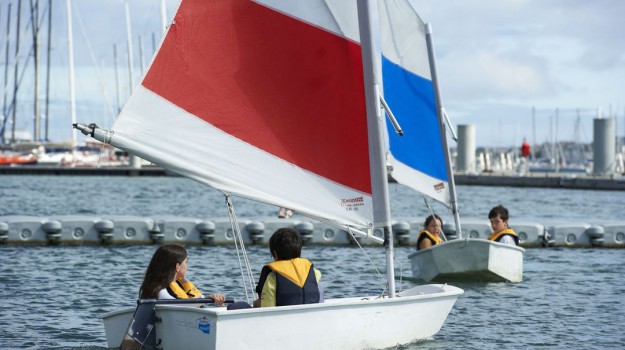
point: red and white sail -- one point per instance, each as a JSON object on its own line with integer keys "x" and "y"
{"x": 260, "y": 99}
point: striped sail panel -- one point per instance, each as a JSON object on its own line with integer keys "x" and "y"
{"x": 258, "y": 103}
{"x": 418, "y": 157}
{"x": 336, "y": 16}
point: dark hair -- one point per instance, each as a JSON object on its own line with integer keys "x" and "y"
{"x": 430, "y": 218}
{"x": 500, "y": 211}
{"x": 161, "y": 270}
{"x": 286, "y": 243}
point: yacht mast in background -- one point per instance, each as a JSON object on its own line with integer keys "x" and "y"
{"x": 5, "y": 115}
{"x": 72, "y": 92}
{"x": 47, "y": 124}
{"x": 34, "y": 17}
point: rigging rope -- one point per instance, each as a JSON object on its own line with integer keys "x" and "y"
{"x": 349, "y": 230}
{"x": 238, "y": 240}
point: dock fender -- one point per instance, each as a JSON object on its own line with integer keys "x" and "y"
{"x": 305, "y": 230}
{"x": 256, "y": 231}
{"x": 449, "y": 229}
{"x": 401, "y": 229}
{"x": 595, "y": 235}
{"x": 53, "y": 230}
{"x": 105, "y": 230}
{"x": 206, "y": 229}
{"x": 4, "y": 232}
{"x": 156, "y": 234}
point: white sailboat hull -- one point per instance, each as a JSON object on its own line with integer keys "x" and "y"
{"x": 469, "y": 259}
{"x": 350, "y": 323}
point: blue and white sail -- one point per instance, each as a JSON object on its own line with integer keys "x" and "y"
{"x": 418, "y": 157}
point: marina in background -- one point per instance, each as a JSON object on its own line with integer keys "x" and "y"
{"x": 565, "y": 164}
{"x": 515, "y": 166}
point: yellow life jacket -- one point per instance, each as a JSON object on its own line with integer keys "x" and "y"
{"x": 183, "y": 290}
{"x": 434, "y": 238}
{"x": 295, "y": 270}
{"x": 296, "y": 282}
{"x": 508, "y": 231}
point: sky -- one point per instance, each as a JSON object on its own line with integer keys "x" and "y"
{"x": 499, "y": 59}
{"x": 535, "y": 69}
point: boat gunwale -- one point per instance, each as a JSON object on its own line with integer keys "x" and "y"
{"x": 446, "y": 291}
{"x": 467, "y": 241}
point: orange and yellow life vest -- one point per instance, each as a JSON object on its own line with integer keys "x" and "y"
{"x": 423, "y": 234}
{"x": 495, "y": 236}
{"x": 183, "y": 290}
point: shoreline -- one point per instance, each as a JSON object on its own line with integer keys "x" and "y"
{"x": 544, "y": 180}
{"x": 535, "y": 180}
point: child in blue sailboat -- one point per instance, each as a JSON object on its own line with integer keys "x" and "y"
{"x": 289, "y": 279}
{"x": 498, "y": 217}
{"x": 429, "y": 236}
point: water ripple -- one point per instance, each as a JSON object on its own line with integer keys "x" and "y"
{"x": 53, "y": 296}
{"x": 62, "y": 291}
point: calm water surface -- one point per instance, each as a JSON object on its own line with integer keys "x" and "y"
{"x": 53, "y": 296}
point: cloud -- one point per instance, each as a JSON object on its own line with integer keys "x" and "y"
{"x": 488, "y": 76}
{"x": 596, "y": 27}
{"x": 542, "y": 48}
{"x": 495, "y": 58}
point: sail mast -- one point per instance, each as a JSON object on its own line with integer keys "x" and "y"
{"x": 375, "y": 127}
{"x": 440, "y": 112}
